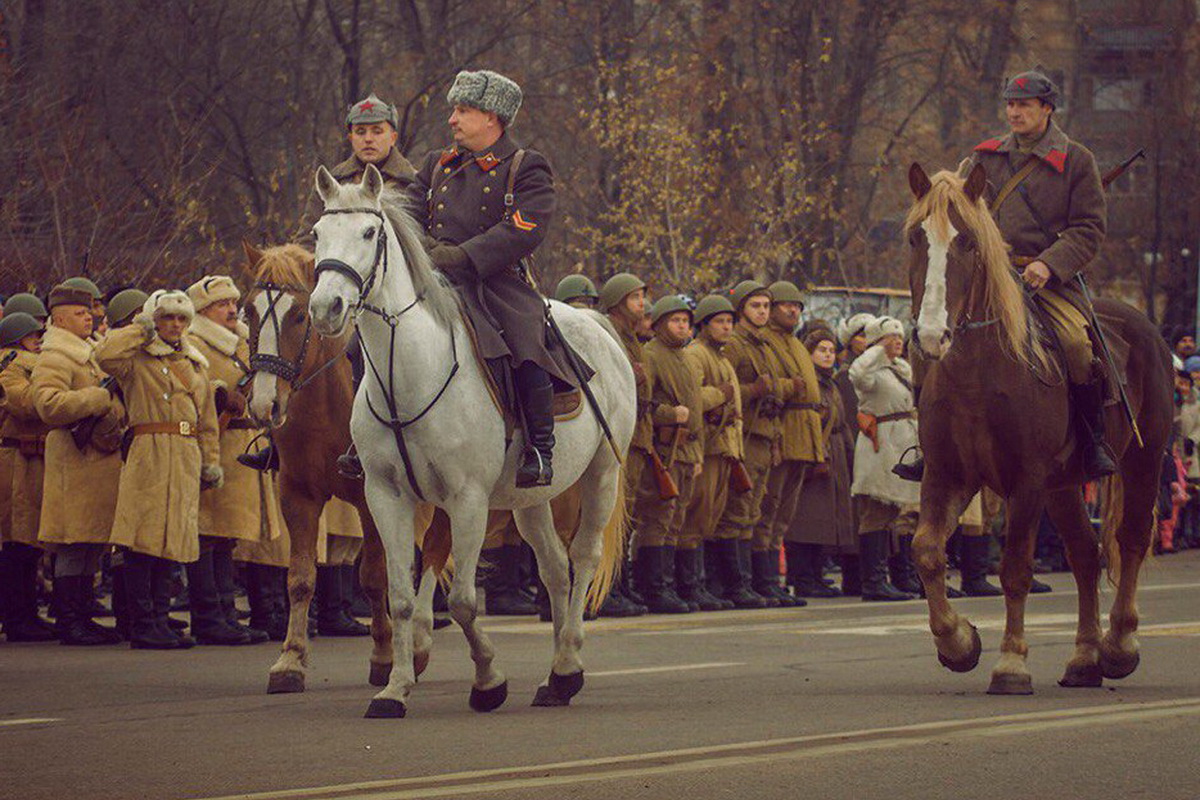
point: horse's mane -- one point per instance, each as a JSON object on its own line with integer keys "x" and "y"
{"x": 440, "y": 299}
{"x": 1003, "y": 297}
{"x": 286, "y": 265}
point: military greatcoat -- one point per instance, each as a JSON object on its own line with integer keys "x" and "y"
{"x": 459, "y": 198}
{"x": 22, "y": 444}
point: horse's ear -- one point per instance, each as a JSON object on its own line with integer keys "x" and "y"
{"x": 327, "y": 187}
{"x": 253, "y": 256}
{"x": 918, "y": 181}
{"x": 372, "y": 182}
{"x": 976, "y": 182}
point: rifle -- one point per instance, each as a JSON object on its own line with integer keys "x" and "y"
{"x": 739, "y": 477}
{"x": 81, "y": 431}
{"x": 1119, "y": 170}
{"x": 8, "y": 359}
{"x": 667, "y": 488}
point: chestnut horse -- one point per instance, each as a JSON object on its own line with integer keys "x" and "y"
{"x": 303, "y": 390}
{"x": 994, "y": 413}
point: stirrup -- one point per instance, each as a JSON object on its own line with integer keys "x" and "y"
{"x": 264, "y": 460}
{"x": 527, "y": 478}
{"x": 348, "y": 465}
{"x": 914, "y": 470}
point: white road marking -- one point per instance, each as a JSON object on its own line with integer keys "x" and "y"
{"x": 652, "y": 670}
{"x": 8, "y": 723}
{"x": 476, "y": 783}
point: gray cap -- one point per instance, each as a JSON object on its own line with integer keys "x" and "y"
{"x": 1031, "y": 85}
{"x": 372, "y": 109}
{"x": 487, "y": 91}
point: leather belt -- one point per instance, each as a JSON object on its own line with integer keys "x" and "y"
{"x": 182, "y": 428}
{"x": 241, "y": 424}
{"x": 896, "y": 417}
{"x": 26, "y": 445}
{"x": 804, "y": 406}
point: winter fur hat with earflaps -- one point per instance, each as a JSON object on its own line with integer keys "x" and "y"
{"x": 168, "y": 301}
{"x": 212, "y": 289}
{"x": 853, "y": 326}
{"x": 487, "y": 91}
{"x": 882, "y": 327}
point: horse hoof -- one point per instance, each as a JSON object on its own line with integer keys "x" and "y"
{"x": 1117, "y": 668}
{"x": 285, "y": 683}
{"x": 1008, "y": 683}
{"x": 566, "y": 686}
{"x": 971, "y": 661}
{"x": 380, "y": 674}
{"x": 385, "y": 708}
{"x": 1082, "y": 677}
{"x": 420, "y": 662}
{"x": 485, "y": 700}
{"x": 546, "y": 698}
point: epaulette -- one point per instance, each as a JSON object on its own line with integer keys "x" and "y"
{"x": 989, "y": 145}
{"x": 447, "y": 156}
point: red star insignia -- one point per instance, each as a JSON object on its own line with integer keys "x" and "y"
{"x": 365, "y": 105}
{"x": 1021, "y": 82}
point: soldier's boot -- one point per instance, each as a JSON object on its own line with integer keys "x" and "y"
{"x": 223, "y": 570}
{"x": 851, "y": 576}
{"x": 330, "y": 598}
{"x": 649, "y": 576}
{"x": 72, "y": 596}
{"x": 675, "y": 581}
{"x": 501, "y": 595}
{"x": 210, "y": 626}
{"x": 348, "y": 464}
{"x": 706, "y": 595}
{"x": 757, "y": 571}
{"x": 360, "y": 604}
{"x": 536, "y": 396}
{"x": 805, "y": 562}
{"x": 628, "y": 592}
{"x": 1088, "y": 399}
{"x": 617, "y": 604}
{"x": 138, "y": 577}
{"x": 689, "y": 578}
{"x": 779, "y": 584}
{"x": 19, "y": 576}
{"x": 903, "y": 570}
{"x": 162, "y": 585}
{"x": 714, "y": 581}
{"x": 263, "y": 460}
{"x": 873, "y": 565}
{"x": 976, "y": 555}
{"x": 734, "y": 584}
{"x": 268, "y": 600}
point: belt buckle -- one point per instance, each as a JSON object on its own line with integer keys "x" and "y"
{"x": 185, "y": 428}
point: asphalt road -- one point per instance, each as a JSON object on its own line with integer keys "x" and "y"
{"x": 842, "y": 699}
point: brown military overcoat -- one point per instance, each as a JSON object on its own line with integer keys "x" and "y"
{"x": 158, "y": 501}
{"x": 79, "y": 493}
{"x": 23, "y": 440}
{"x": 827, "y": 517}
{"x": 801, "y": 420}
{"x": 459, "y": 199}
{"x": 722, "y": 418}
{"x": 673, "y": 383}
{"x": 751, "y": 357}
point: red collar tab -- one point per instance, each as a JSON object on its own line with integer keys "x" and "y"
{"x": 1056, "y": 159}
{"x": 487, "y": 162}
{"x": 989, "y": 146}
{"x": 448, "y": 156}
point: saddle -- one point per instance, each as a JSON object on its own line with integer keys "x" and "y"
{"x": 1118, "y": 347}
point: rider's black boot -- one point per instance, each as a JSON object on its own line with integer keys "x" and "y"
{"x": 536, "y": 395}
{"x": 1088, "y": 399}
{"x": 263, "y": 460}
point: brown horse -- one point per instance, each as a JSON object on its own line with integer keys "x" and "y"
{"x": 994, "y": 413}
{"x": 303, "y": 390}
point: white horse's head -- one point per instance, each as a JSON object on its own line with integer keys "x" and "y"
{"x": 350, "y": 246}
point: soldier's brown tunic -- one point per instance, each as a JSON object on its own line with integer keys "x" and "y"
{"x": 459, "y": 199}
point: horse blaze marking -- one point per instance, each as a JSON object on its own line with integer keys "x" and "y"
{"x": 268, "y": 342}
{"x": 932, "y": 324}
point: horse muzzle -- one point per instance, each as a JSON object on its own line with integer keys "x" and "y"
{"x": 330, "y": 312}
{"x": 934, "y": 342}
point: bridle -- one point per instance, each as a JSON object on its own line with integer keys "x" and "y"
{"x": 273, "y": 364}
{"x": 365, "y": 286}
{"x": 964, "y": 323}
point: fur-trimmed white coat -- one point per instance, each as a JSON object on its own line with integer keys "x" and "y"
{"x": 884, "y": 387}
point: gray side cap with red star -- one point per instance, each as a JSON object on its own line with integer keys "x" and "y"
{"x": 371, "y": 110}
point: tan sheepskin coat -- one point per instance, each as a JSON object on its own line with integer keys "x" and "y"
{"x": 22, "y": 425}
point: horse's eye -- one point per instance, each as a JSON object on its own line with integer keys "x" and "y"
{"x": 368, "y": 233}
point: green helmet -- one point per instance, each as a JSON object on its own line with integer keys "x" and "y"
{"x": 125, "y": 304}
{"x": 617, "y": 288}
{"x": 785, "y": 292}
{"x": 710, "y": 306}
{"x": 26, "y": 303}
{"x": 15, "y": 327}
{"x": 80, "y": 282}
{"x": 574, "y": 287}
{"x": 742, "y": 292}
{"x": 668, "y": 305}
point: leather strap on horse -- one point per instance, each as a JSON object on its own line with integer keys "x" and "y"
{"x": 1012, "y": 183}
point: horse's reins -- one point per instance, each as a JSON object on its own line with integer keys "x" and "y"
{"x": 365, "y": 286}
{"x": 272, "y": 364}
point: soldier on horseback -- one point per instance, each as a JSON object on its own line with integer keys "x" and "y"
{"x": 1047, "y": 199}
{"x": 485, "y": 205}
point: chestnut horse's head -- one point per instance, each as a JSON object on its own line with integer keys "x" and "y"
{"x": 281, "y": 336}
{"x": 958, "y": 267}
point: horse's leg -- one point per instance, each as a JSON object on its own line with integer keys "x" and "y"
{"x": 1136, "y": 485}
{"x": 1069, "y": 515}
{"x": 387, "y": 503}
{"x": 468, "y": 523}
{"x": 1023, "y": 512}
{"x": 957, "y": 641}
{"x": 373, "y": 576}
{"x": 536, "y": 525}
{"x": 423, "y": 621}
{"x": 301, "y": 514}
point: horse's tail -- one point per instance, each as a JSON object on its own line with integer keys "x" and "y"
{"x": 612, "y": 549}
{"x": 1112, "y": 511}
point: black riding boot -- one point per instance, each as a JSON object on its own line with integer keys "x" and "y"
{"x": 331, "y": 616}
{"x": 162, "y": 584}
{"x": 144, "y": 630}
{"x": 902, "y": 569}
{"x": 650, "y": 578}
{"x": 756, "y": 566}
{"x": 73, "y": 599}
{"x": 617, "y": 604}
{"x": 735, "y": 582}
{"x": 703, "y": 597}
{"x": 501, "y": 594}
{"x": 805, "y": 562}
{"x": 263, "y": 460}
{"x": 1088, "y": 399}
{"x": 851, "y": 575}
{"x": 19, "y": 576}
{"x": 209, "y": 622}
{"x": 227, "y": 592}
{"x": 976, "y": 554}
{"x": 268, "y": 600}
{"x": 536, "y": 396}
{"x": 671, "y": 578}
{"x": 873, "y": 564}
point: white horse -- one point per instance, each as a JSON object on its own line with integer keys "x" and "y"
{"x": 426, "y": 428}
